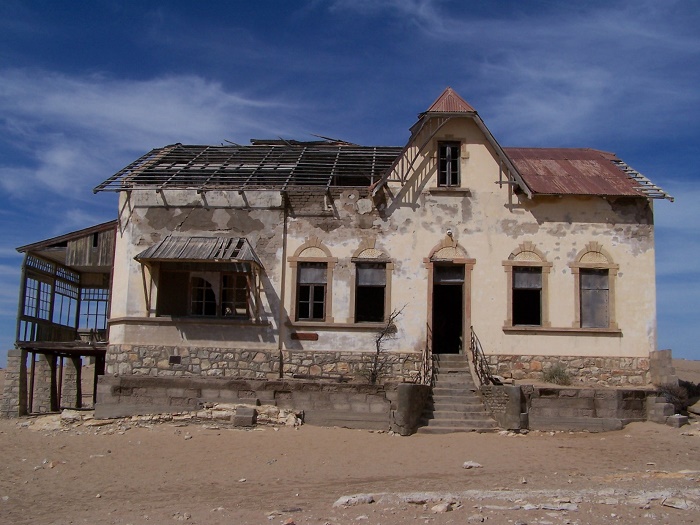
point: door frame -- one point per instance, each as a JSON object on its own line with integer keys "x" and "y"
{"x": 466, "y": 297}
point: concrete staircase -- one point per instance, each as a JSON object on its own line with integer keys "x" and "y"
{"x": 455, "y": 405}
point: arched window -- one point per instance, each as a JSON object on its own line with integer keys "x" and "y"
{"x": 527, "y": 282}
{"x": 312, "y": 272}
{"x": 594, "y": 288}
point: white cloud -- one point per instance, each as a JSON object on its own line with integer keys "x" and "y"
{"x": 78, "y": 130}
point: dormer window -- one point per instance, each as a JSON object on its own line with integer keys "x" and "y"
{"x": 448, "y": 163}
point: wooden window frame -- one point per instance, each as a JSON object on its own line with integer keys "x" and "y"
{"x": 313, "y": 250}
{"x": 446, "y": 177}
{"x": 594, "y": 257}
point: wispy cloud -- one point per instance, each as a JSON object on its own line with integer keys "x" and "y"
{"x": 76, "y": 128}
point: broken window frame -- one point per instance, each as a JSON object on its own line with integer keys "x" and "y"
{"x": 207, "y": 294}
{"x": 449, "y": 158}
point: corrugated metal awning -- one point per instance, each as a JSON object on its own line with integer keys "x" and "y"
{"x": 201, "y": 249}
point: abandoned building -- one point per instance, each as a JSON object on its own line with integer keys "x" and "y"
{"x": 252, "y": 269}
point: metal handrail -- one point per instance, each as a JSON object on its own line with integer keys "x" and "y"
{"x": 481, "y": 366}
{"x": 428, "y": 366}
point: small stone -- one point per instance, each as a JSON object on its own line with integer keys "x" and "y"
{"x": 471, "y": 464}
{"x": 98, "y": 496}
{"x": 289, "y": 521}
{"x": 188, "y": 436}
{"x": 441, "y": 508}
{"x": 242, "y": 480}
{"x": 476, "y": 518}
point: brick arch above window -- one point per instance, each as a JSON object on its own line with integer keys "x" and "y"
{"x": 312, "y": 248}
{"x": 528, "y": 253}
{"x": 448, "y": 249}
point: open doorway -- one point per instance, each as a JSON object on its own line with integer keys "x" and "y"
{"x": 448, "y": 309}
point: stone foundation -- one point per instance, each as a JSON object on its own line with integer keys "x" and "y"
{"x": 14, "y": 403}
{"x": 610, "y": 371}
{"x": 175, "y": 361}
{"x": 355, "y": 366}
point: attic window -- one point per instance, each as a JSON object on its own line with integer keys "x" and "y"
{"x": 448, "y": 163}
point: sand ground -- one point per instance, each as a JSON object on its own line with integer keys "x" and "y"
{"x": 132, "y": 472}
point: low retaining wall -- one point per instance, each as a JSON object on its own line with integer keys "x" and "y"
{"x": 323, "y": 403}
{"x": 562, "y": 408}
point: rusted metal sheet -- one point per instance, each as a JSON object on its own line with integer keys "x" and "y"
{"x": 570, "y": 171}
{"x": 219, "y": 249}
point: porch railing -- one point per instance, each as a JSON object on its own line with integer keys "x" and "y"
{"x": 481, "y": 365}
{"x": 427, "y": 376}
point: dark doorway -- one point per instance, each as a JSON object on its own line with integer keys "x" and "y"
{"x": 448, "y": 310}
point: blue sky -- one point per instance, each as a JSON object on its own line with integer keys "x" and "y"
{"x": 87, "y": 87}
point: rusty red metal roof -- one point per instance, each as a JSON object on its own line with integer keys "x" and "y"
{"x": 573, "y": 171}
{"x": 450, "y": 102}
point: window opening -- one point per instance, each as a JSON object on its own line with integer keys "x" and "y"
{"x": 448, "y": 160}
{"x": 65, "y": 304}
{"x": 370, "y": 292}
{"x": 234, "y": 293}
{"x": 93, "y": 309}
{"x": 595, "y": 294}
{"x": 311, "y": 291}
{"x": 527, "y": 296}
{"x": 203, "y": 297}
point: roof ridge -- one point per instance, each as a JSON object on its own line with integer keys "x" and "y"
{"x": 450, "y": 102}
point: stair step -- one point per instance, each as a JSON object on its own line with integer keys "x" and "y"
{"x": 456, "y": 414}
{"x": 451, "y": 430}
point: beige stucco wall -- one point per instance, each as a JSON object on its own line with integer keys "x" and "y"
{"x": 406, "y": 224}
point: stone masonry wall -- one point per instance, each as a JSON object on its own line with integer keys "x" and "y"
{"x": 610, "y": 371}
{"x": 394, "y": 366}
{"x": 14, "y": 372}
{"x": 184, "y": 361}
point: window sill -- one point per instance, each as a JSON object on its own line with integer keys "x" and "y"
{"x": 320, "y": 325}
{"x": 449, "y": 190}
{"x": 562, "y": 330}
{"x": 175, "y": 320}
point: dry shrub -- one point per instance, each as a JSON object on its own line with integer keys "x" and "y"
{"x": 557, "y": 374}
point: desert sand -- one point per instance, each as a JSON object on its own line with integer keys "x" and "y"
{"x": 135, "y": 472}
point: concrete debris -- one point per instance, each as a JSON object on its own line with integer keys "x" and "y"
{"x": 357, "y": 499}
{"x": 221, "y": 413}
{"x": 676, "y": 503}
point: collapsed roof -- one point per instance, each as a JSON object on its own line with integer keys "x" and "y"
{"x": 290, "y": 166}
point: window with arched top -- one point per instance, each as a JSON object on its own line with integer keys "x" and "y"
{"x": 527, "y": 284}
{"x": 594, "y": 274}
{"x": 312, "y": 272}
{"x": 370, "y": 300}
